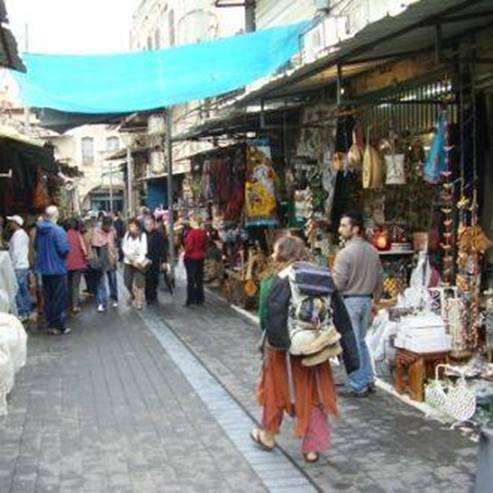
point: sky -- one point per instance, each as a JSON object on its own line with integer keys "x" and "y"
{"x": 72, "y": 26}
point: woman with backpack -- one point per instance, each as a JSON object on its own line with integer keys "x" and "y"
{"x": 106, "y": 253}
{"x": 300, "y": 385}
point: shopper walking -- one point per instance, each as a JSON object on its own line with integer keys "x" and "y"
{"x": 358, "y": 275}
{"x": 195, "y": 251}
{"x": 135, "y": 261}
{"x": 91, "y": 276}
{"x": 76, "y": 263}
{"x": 288, "y": 384}
{"x": 106, "y": 253}
{"x": 52, "y": 248}
{"x": 157, "y": 253}
{"x": 119, "y": 226}
{"x": 19, "y": 254}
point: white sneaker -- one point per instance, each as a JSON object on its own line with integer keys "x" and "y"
{"x": 115, "y": 304}
{"x": 101, "y": 308}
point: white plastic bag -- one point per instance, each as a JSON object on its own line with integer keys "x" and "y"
{"x": 12, "y": 334}
{"x": 6, "y": 378}
{"x": 379, "y": 344}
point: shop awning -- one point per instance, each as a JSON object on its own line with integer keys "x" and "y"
{"x": 412, "y": 31}
{"x": 19, "y": 148}
{"x": 106, "y": 84}
{"x": 235, "y": 121}
{"x": 9, "y": 57}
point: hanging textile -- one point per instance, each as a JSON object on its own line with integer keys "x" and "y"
{"x": 435, "y": 164}
{"x": 155, "y": 79}
{"x": 260, "y": 187}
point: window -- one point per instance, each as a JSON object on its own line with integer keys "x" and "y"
{"x": 112, "y": 143}
{"x": 87, "y": 150}
{"x": 171, "y": 26}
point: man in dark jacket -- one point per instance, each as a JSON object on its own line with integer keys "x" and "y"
{"x": 52, "y": 248}
{"x": 157, "y": 252}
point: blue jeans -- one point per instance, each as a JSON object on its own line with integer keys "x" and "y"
{"x": 102, "y": 293}
{"x": 23, "y": 297}
{"x": 359, "y": 310}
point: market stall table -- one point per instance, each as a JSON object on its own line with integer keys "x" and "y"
{"x": 412, "y": 369}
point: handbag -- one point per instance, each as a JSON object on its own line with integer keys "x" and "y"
{"x": 95, "y": 263}
{"x": 454, "y": 400}
{"x": 396, "y": 174}
{"x": 143, "y": 265}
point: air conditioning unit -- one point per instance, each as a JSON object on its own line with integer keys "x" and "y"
{"x": 322, "y": 5}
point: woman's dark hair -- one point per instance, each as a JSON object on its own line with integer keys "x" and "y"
{"x": 72, "y": 223}
{"x": 107, "y": 222}
{"x": 136, "y": 222}
{"x": 356, "y": 220}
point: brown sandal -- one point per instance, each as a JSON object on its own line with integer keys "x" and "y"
{"x": 255, "y": 436}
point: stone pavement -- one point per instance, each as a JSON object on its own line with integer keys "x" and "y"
{"x": 105, "y": 409}
{"x": 108, "y": 409}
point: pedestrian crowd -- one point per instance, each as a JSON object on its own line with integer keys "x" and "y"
{"x": 62, "y": 263}
{"x": 308, "y": 314}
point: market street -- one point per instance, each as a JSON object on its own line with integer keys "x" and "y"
{"x": 108, "y": 408}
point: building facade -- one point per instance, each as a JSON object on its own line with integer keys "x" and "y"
{"x": 160, "y": 24}
{"x": 88, "y": 148}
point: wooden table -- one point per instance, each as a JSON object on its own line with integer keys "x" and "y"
{"x": 412, "y": 369}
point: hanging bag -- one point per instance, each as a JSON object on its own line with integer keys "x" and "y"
{"x": 372, "y": 166}
{"x": 395, "y": 169}
{"x": 355, "y": 153}
{"x": 451, "y": 399}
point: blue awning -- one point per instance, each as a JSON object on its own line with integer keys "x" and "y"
{"x": 123, "y": 83}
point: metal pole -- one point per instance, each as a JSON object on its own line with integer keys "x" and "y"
{"x": 26, "y": 49}
{"x": 169, "y": 183}
{"x": 129, "y": 181}
{"x": 111, "y": 187}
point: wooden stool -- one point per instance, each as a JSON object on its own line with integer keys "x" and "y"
{"x": 412, "y": 369}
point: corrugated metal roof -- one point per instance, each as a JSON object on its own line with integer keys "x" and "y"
{"x": 413, "y": 29}
{"x": 9, "y": 56}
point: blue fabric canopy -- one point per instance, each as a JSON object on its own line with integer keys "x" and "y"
{"x": 149, "y": 80}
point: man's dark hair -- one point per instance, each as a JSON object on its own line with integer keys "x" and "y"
{"x": 356, "y": 219}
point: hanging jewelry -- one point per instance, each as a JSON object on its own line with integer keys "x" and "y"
{"x": 447, "y": 199}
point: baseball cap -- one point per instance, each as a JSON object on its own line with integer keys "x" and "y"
{"x": 16, "y": 219}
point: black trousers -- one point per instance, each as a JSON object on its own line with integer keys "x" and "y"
{"x": 91, "y": 276}
{"x": 55, "y": 294}
{"x": 195, "y": 281}
{"x": 152, "y": 283}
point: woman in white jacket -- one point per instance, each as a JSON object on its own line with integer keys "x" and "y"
{"x": 134, "y": 248}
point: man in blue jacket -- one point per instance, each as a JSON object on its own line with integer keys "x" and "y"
{"x": 52, "y": 249}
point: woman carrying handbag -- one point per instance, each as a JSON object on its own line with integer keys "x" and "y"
{"x": 135, "y": 262}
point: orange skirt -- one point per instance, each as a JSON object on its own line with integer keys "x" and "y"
{"x": 310, "y": 387}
